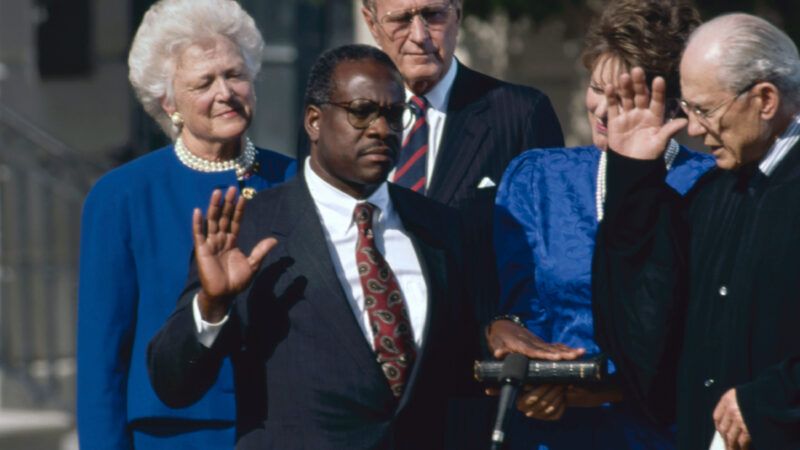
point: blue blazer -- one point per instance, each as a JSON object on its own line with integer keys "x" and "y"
{"x": 135, "y": 249}
{"x": 301, "y": 359}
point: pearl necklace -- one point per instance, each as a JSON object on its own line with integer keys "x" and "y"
{"x": 242, "y": 163}
{"x": 600, "y": 192}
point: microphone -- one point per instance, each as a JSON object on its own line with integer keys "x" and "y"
{"x": 515, "y": 368}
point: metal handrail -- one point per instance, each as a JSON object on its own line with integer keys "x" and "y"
{"x": 42, "y": 185}
{"x": 50, "y": 154}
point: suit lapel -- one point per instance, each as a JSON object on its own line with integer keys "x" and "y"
{"x": 433, "y": 263}
{"x": 297, "y": 225}
{"x": 464, "y": 134}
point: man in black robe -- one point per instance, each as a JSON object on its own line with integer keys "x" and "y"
{"x": 705, "y": 289}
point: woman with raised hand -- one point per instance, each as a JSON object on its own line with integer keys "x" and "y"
{"x": 192, "y": 65}
{"x": 549, "y": 205}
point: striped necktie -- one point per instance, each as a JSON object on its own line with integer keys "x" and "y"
{"x": 414, "y": 154}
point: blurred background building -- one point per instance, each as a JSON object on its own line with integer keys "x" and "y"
{"x": 67, "y": 114}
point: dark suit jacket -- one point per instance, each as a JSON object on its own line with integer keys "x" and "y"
{"x": 702, "y": 290}
{"x": 489, "y": 122}
{"x": 305, "y": 375}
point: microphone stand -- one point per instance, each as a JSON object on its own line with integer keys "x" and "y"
{"x": 515, "y": 368}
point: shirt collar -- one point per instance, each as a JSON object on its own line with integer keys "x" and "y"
{"x": 781, "y": 147}
{"x": 440, "y": 94}
{"x": 336, "y": 207}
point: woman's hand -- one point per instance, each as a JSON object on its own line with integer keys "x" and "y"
{"x": 636, "y": 127}
{"x": 224, "y": 270}
{"x": 550, "y": 402}
{"x": 543, "y": 402}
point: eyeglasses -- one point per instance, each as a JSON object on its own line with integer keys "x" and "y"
{"x": 361, "y": 113}
{"x": 397, "y": 24}
{"x": 705, "y": 116}
{"x": 673, "y": 109}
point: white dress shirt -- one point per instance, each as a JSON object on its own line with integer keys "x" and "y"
{"x": 781, "y": 147}
{"x": 438, "y": 97}
{"x": 335, "y": 208}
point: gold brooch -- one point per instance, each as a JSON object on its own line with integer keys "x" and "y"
{"x": 248, "y": 193}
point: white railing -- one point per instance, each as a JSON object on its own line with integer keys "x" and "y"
{"x": 42, "y": 185}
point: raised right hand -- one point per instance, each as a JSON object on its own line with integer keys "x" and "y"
{"x": 636, "y": 126}
{"x": 224, "y": 270}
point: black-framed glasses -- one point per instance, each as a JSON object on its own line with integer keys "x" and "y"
{"x": 435, "y": 16}
{"x": 361, "y": 113}
{"x": 705, "y": 116}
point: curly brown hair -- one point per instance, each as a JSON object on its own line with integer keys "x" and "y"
{"x": 649, "y": 34}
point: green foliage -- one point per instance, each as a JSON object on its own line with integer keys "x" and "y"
{"x": 783, "y": 13}
{"x": 533, "y": 9}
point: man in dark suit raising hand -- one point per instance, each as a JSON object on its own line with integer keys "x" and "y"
{"x": 339, "y": 297}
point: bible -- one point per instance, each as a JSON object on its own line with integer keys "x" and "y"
{"x": 590, "y": 369}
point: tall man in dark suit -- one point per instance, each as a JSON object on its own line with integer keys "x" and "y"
{"x": 351, "y": 333}
{"x": 475, "y": 124}
{"x": 469, "y": 125}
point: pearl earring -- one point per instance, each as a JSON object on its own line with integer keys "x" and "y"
{"x": 176, "y": 119}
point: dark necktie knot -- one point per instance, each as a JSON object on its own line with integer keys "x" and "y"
{"x": 362, "y": 216}
{"x": 419, "y": 104}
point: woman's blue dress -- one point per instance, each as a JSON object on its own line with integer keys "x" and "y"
{"x": 136, "y": 243}
{"x": 544, "y": 232}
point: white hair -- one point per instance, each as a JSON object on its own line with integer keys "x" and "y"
{"x": 167, "y": 29}
{"x": 751, "y": 50}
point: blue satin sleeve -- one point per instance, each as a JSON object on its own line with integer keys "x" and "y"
{"x": 546, "y": 218}
{"x": 514, "y": 240}
{"x": 545, "y": 226}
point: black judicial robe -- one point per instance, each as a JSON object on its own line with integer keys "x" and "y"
{"x": 697, "y": 295}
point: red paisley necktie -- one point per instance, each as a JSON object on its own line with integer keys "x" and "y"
{"x": 391, "y": 328}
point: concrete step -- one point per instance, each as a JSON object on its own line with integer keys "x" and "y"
{"x": 36, "y": 430}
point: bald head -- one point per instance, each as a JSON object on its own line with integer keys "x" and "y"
{"x": 742, "y": 49}
{"x": 740, "y": 78}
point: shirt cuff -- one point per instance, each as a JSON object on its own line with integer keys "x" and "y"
{"x": 206, "y": 332}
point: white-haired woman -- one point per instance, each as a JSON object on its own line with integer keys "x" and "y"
{"x": 192, "y": 65}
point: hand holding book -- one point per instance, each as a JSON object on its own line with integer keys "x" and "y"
{"x": 558, "y": 376}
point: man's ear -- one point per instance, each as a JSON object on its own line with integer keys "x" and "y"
{"x": 770, "y": 98}
{"x": 311, "y": 122}
{"x": 371, "y": 22}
